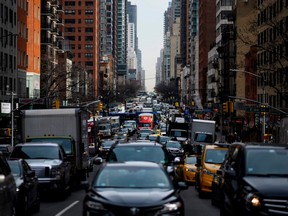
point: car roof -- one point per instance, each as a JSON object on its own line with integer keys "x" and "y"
{"x": 132, "y": 143}
{"x": 133, "y": 164}
{"x": 38, "y": 144}
{"x": 255, "y": 145}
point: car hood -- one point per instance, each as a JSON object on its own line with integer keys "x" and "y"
{"x": 135, "y": 197}
{"x": 43, "y": 162}
{"x": 269, "y": 186}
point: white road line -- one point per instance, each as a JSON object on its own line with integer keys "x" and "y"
{"x": 67, "y": 208}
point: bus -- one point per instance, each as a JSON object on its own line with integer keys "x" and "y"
{"x": 146, "y": 120}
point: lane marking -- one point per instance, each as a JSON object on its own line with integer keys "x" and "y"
{"x": 67, "y": 208}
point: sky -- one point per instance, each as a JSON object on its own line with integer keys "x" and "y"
{"x": 150, "y": 27}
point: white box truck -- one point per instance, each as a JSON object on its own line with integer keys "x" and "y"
{"x": 67, "y": 127}
{"x": 203, "y": 132}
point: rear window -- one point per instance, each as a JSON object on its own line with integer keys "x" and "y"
{"x": 137, "y": 153}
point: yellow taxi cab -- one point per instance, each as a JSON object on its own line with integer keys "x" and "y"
{"x": 210, "y": 161}
{"x": 187, "y": 170}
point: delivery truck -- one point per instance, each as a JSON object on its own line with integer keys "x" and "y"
{"x": 67, "y": 127}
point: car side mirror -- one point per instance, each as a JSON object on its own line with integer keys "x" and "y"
{"x": 31, "y": 173}
{"x": 219, "y": 172}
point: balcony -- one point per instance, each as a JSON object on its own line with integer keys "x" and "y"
{"x": 46, "y": 41}
{"x": 54, "y": 3}
{"x": 60, "y": 35}
{"x": 60, "y": 22}
{"x": 46, "y": 26}
{"x": 47, "y": 11}
{"x": 60, "y": 9}
{"x": 54, "y": 31}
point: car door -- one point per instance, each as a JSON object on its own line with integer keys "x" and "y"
{"x": 31, "y": 182}
{"x": 232, "y": 176}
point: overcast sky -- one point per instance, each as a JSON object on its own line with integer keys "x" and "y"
{"x": 150, "y": 16}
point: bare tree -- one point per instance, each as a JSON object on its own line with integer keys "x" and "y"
{"x": 272, "y": 46}
{"x": 64, "y": 81}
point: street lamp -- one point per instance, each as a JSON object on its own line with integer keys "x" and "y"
{"x": 264, "y": 97}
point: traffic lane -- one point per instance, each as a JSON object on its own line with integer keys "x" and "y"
{"x": 71, "y": 206}
{"x": 196, "y": 206}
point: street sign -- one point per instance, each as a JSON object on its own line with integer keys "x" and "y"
{"x": 252, "y": 109}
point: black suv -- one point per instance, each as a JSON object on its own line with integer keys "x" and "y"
{"x": 254, "y": 180}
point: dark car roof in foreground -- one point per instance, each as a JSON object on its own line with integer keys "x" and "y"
{"x": 148, "y": 143}
{"x": 133, "y": 164}
{"x": 262, "y": 145}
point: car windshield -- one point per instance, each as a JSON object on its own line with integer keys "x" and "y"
{"x": 132, "y": 177}
{"x": 36, "y": 152}
{"x": 215, "y": 156}
{"x": 267, "y": 162}
{"x": 65, "y": 143}
{"x": 203, "y": 138}
{"x": 138, "y": 153}
{"x": 191, "y": 160}
{"x": 172, "y": 144}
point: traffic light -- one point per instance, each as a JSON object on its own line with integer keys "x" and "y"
{"x": 56, "y": 104}
{"x": 231, "y": 106}
{"x": 225, "y": 107}
{"x": 100, "y": 106}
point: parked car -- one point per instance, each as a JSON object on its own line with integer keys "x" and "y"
{"x": 8, "y": 194}
{"x": 187, "y": 170}
{"x": 28, "y": 199}
{"x": 255, "y": 180}
{"x": 125, "y": 189}
{"x": 6, "y": 149}
{"x": 50, "y": 163}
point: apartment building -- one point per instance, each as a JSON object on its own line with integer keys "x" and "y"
{"x": 81, "y": 30}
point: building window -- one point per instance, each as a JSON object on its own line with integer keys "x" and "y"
{"x": 88, "y": 55}
{"x": 88, "y": 38}
{"x": 89, "y": 30}
{"x": 70, "y": 21}
{"x": 89, "y": 12}
{"x": 89, "y": 21}
{"x": 70, "y": 3}
{"x": 88, "y": 46}
{"x": 89, "y": 63}
{"x": 89, "y": 3}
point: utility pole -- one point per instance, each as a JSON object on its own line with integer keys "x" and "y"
{"x": 12, "y": 94}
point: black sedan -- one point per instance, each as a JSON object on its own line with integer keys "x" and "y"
{"x": 133, "y": 188}
{"x": 28, "y": 199}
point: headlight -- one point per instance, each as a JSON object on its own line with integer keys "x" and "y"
{"x": 252, "y": 200}
{"x": 95, "y": 205}
{"x": 171, "y": 207}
